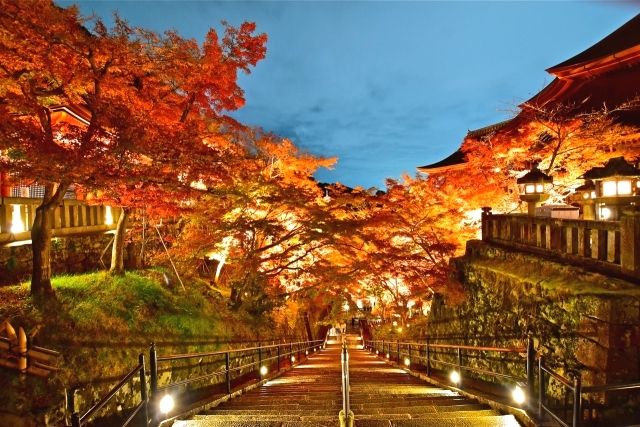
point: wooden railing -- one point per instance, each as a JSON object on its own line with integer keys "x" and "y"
{"x": 611, "y": 247}
{"x": 18, "y": 354}
{"x": 70, "y": 217}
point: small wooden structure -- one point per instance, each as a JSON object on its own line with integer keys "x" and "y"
{"x": 16, "y": 353}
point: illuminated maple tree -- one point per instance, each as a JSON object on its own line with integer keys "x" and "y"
{"x": 144, "y": 97}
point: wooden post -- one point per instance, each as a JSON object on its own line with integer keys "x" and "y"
{"x": 611, "y": 246}
{"x": 629, "y": 238}
{"x": 5, "y": 218}
{"x": 486, "y": 224}
{"x": 22, "y": 351}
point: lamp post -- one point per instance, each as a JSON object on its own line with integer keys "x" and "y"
{"x": 586, "y": 194}
{"x": 617, "y": 185}
{"x": 534, "y": 188}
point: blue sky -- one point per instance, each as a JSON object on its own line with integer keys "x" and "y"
{"x": 387, "y": 86}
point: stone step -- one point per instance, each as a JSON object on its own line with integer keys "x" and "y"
{"x": 252, "y": 423}
{"x": 267, "y": 417}
{"x": 471, "y": 421}
{"x": 410, "y": 410}
{"x": 270, "y": 411}
{"x": 438, "y": 415}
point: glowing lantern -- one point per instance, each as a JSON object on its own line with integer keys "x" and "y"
{"x": 586, "y": 193}
{"x": 617, "y": 184}
{"x": 108, "y": 215}
{"x": 17, "y": 224}
{"x": 534, "y": 188}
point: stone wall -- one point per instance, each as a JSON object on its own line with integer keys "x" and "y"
{"x": 579, "y": 321}
{"x": 73, "y": 254}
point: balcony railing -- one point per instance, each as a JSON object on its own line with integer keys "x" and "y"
{"x": 69, "y": 218}
{"x": 610, "y": 247}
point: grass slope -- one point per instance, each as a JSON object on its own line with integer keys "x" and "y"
{"x": 100, "y": 323}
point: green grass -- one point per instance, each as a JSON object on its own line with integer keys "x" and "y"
{"x": 134, "y": 307}
{"x": 100, "y": 323}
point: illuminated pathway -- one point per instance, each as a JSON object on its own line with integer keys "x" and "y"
{"x": 308, "y": 395}
{"x": 381, "y": 395}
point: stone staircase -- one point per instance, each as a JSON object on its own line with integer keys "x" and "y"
{"x": 381, "y": 395}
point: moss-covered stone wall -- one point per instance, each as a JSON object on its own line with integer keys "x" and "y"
{"x": 580, "y": 321}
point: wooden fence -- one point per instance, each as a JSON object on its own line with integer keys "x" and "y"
{"x": 610, "y": 247}
{"x": 70, "y": 217}
{"x": 17, "y": 354}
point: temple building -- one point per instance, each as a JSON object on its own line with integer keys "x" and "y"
{"x": 606, "y": 75}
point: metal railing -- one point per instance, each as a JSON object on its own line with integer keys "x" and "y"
{"x": 577, "y": 390}
{"x": 433, "y": 354}
{"x": 233, "y": 367}
{"x": 345, "y": 415}
{"x": 78, "y": 420}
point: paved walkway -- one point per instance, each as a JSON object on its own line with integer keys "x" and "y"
{"x": 309, "y": 395}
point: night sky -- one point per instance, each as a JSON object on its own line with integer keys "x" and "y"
{"x": 388, "y": 86}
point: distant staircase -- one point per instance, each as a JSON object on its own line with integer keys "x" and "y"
{"x": 381, "y": 395}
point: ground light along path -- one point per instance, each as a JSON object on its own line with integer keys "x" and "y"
{"x": 381, "y": 396}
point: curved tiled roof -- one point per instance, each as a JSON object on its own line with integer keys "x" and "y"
{"x": 625, "y": 37}
{"x": 455, "y": 159}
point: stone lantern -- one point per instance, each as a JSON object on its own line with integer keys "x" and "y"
{"x": 617, "y": 185}
{"x": 586, "y": 194}
{"x": 534, "y": 188}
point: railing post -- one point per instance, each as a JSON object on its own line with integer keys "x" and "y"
{"x": 398, "y": 350}
{"x": 153, "y": 382}
{"x": 531, "y": 356}
{"x": 278, "y": 347}
{"x": 459, "y": 361}
{"x": 629, "y": 235}
{"x": 382, "y": 350}
{"x": 409, "y": 354}
{"x": 143, "y": 389}
{"x": 290, "y": 353}
{"x": 577, "y": 401}
{"x": 71, "y": 402}
{"x": 227, "y": 372}
{"x": 75, "y": 420}
{"x": 259, "y": 359}
{"x": 486, "y": 230}
{"x": 153, "y": 368}
{"x": 427, "y": 355}
{"x": 540, "y": 387}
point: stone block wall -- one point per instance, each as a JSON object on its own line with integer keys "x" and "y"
{"x": 580, "y": 321}
{"x": 73, "y": 254}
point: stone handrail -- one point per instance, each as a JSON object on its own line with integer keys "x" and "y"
{"x": 70, "y": 217}
{"x": 610, "y": 247}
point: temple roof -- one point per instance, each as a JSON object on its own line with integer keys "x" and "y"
{"x": 479, "y": 133}
{"x": 617, "y": 166}
{"x": 454, "y": 160}
{"x": 457, "y": 159}
{"x": 533, "y": 176}
{"x": 622, "y": 39}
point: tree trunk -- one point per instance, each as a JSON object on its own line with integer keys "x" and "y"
{"x": 117, "y": 251}
{"x": 41, "y": 240}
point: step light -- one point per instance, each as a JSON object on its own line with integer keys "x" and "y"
{"x": 263, "y": 370}
{"x": 518, "y": 395}
{"x": 454, "y": 376}
{"x": 293, "y": 359}
{"x": 388, "y": 355}
{"x": 166, "y": 404}
{"x": 377, "y": 352}
{"x": 306, "y": 353}
{"x": 407, "y": 362}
